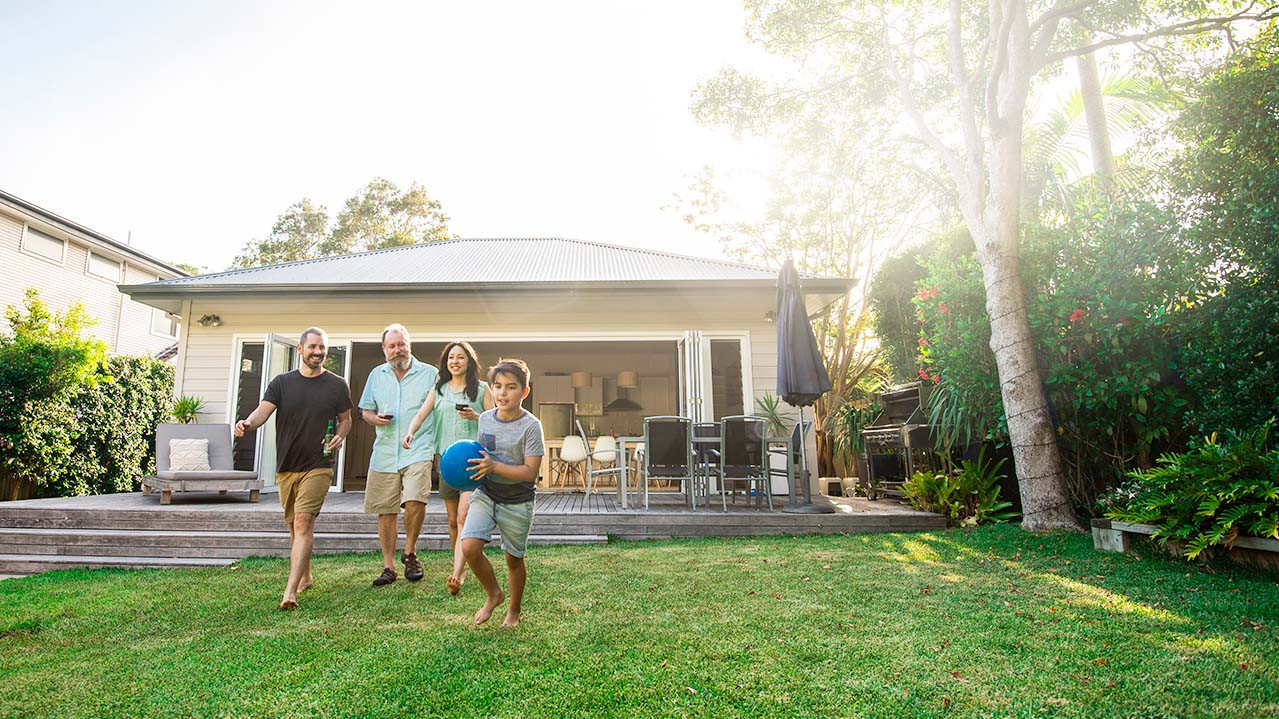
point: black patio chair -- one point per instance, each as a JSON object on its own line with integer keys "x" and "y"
{"x": 706, "y": 455}
{"x": 793, "y": 453}
{"x": 743, "y": 447}
{"x": 668, "y": 454}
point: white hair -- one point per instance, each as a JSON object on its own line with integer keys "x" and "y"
{"x": 396, "y": 327}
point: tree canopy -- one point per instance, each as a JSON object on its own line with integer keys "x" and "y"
{"x": 379, "y": 215}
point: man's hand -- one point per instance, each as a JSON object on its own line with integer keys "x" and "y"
{"x": 336, "y": 443}
{"x": 374, "y": 418}
{"x": 241, "y": 427}
{"x": 481, "y": 468}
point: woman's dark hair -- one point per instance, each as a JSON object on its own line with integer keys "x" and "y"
{"x": 472, "y": 368}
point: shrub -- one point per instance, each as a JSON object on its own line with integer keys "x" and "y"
{"x": 967, "y": 495}
{"x": 94, "y": 439}
{"x": 72, "y": 423}
{"x": 1209, "y": 495}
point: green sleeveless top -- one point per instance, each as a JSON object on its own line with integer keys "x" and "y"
{"x": 449, "y": 427}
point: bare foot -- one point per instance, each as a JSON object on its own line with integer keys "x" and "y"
{"x": 512, "y": 620}
{"x": 455, "y": 584}
{"x": 288, "y": 604}
{"x": 490, "y": 604}
{"x": 306, "y": 583}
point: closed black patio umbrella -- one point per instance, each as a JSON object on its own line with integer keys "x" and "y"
{"x": 801, "y": 371}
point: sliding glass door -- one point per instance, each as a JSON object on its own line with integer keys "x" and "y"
{"x": 279, "y": 356}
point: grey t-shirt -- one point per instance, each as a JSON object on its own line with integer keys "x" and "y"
{"x": 509, "y": 442}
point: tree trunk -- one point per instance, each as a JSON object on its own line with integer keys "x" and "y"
{"x": 1103, "y": 157}
{"x": 1045, "y": 500}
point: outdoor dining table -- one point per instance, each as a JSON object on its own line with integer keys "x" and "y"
{"x": 624, "y": 463}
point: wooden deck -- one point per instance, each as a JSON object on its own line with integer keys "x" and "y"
{"x": 133, "y": 530}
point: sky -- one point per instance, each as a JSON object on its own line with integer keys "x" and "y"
{"x": 187, "y": 128}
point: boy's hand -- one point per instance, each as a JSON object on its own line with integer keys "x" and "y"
{"x": 481, "y": 468}
{"x": 408, "y": 440}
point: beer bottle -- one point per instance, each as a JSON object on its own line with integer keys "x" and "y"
{"x": 328, "y": 437}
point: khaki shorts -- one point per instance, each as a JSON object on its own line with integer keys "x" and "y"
{"x": 303, "y": 491}
{"x": 386, "y": 492}
{"x": 513, "y": 520}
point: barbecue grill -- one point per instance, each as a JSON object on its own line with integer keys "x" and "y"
{"x": 898, "y": 441}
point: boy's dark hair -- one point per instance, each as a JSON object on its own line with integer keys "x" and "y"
{"x": 513, "y": 367}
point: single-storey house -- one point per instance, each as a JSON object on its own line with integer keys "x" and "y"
{"x": 612, "y": 334}
{"x": 68, "y": 262}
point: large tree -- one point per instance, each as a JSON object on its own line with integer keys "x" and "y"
{"x": 378, "y": 215}
{"x": 832, "y": 212}
{"x": 961, "y": 73}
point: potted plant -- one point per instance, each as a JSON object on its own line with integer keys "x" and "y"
{"x": 770, "y": 408}
{"x": 186, "y": 410}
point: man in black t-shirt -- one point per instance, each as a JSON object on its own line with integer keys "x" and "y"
{"x": 308, "y": 399}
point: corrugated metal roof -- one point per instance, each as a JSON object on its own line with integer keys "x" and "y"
{"x": 487, "y": 261}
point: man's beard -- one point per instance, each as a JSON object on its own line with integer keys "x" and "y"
{"x": 314, "y": 360}
{"x": 401, "y": 363}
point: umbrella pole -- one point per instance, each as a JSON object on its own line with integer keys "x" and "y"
{"x": 807, "y": 506}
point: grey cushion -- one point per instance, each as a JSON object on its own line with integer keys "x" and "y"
{"x": 212, "y": 474}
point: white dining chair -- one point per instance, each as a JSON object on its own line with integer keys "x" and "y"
{"x": 571, "y": 461}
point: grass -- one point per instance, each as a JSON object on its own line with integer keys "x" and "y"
{"x": 989, "y": 622}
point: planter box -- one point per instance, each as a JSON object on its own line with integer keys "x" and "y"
{"x": 1109, "y": 535}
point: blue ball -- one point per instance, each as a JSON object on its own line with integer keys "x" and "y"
{"x": 454, "y": 467}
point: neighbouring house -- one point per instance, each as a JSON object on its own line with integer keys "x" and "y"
{"x": 612, "y": 334}
{"x": 68, "y": 262}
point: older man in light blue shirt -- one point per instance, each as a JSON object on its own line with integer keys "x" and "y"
{"x": 398, "y": 477}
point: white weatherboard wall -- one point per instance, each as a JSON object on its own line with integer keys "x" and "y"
{"x": 208, "y": 355}
{"x": 123, "y": 324}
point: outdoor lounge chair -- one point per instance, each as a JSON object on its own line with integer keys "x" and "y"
{"x": 668, "y": 454}
{"x": 221, "y": 475}
{"x": 743, "y": 451}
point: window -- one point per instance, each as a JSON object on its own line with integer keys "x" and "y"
{"x": 104, "y": 267}
{"x": 43, "y": 245}
{"x": 163, "y": 323}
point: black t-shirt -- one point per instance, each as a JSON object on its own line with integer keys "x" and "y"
{"x": 304, "y": 408}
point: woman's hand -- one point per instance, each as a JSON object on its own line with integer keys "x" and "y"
{"x": 408, "y": 440}
{"x": 468, "y": 413}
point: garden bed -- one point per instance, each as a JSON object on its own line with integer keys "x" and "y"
{"x": 1112, "y": 535}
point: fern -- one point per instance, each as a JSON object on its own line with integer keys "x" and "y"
{"x": 1210, "y": 494}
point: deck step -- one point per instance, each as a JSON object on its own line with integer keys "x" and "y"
{"x": 36, "y": 563}
{"x": 85, "y": 547}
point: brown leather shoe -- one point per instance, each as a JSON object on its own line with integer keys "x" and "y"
{"x": 386, "y": 577}
{"x": 412, "y": 567}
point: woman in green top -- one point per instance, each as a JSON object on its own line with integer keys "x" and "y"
{"x": 455, "y": 406}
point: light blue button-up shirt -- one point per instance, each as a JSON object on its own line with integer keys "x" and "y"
{"x": 402, "y": 398}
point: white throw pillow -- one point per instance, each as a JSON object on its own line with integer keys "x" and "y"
{"x": 189, "y": 455}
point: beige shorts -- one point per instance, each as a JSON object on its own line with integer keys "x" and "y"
{"x": 386, "y": 492}
{"x": 303, "y": 491}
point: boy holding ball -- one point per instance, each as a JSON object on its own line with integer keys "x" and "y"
{"x": 514, "y": 447}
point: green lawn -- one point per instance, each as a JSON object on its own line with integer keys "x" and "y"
{"x": 991, "y": 622}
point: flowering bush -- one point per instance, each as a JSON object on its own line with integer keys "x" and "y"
{"x": 1100, "y": 293}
